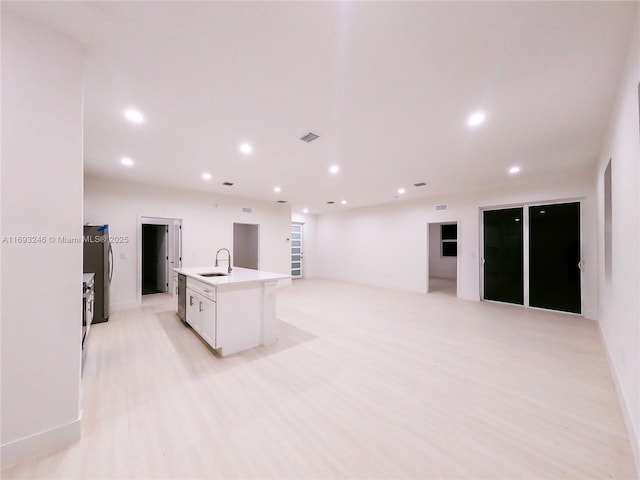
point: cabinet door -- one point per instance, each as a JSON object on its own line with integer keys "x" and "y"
{"x": 209, "y": 322}
{"x": 194, "y": 310}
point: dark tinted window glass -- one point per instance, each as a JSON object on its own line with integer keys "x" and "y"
{"x": 449, "y": 232}
{"x": 449, "y": 249}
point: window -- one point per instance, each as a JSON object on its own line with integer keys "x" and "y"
{"x": 449, "y": 240}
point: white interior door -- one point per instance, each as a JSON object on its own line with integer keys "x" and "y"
{"x": 296, "y": 251}
{"x": 175, "y": 245}
{"x": 163, "y": 258}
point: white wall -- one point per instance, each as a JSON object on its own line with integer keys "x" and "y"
{"x": 42, "y": 282}
{"x": 619, "y": 298}
{"x": 207, "y": 225}
{"x": 439, "y": 266}
{"x": 387, "y": 245}
{"x": 309, "y": 243}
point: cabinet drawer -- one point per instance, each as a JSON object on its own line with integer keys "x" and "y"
{"x": 204, "y": 289}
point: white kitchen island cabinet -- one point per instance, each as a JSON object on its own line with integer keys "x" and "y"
{"x": 231, "y": 311}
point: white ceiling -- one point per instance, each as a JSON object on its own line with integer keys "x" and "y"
{"x": 387, "y": 85}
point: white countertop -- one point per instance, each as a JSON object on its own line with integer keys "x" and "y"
{"x": 237, "y": 275}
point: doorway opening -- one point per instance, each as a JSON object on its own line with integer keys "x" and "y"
{"x": 442, "y": 274}
{"x": 246, "y": 245}
{"x": 159, "y": 252}
{"x": 155, "y": 259}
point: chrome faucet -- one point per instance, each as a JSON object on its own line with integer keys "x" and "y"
{"x": 228, "y": 258}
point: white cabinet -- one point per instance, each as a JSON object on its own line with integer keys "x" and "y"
{"x": 208, "y": 318}
{"x": 235, "y": 313}
{"x": 201, "y": 310}
{"x": 194, "y": 307}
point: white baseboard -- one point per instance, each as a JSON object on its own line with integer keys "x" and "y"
{"x": 633, "y": 438}
{"x": 41, "y": 443}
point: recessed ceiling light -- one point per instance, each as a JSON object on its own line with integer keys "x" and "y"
{"x": 277, "y": 189}
{"x": 206, "y": 176}
{"x": 245, "y": 148}
{"x": 334, "y": 169}
{"x": 126, "y": 161}
{"x": 476, "y": 118}
{"x": 514, "y": 170}
{"x": 343, "y": 202}
{"x": 134, "y": 116}
{"x": 401, "y": 191}
{"x": 305, "y": 210}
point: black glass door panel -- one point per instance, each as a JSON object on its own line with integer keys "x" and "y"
{"x": 554, "y": 256}
{"x": 503, "y": 255}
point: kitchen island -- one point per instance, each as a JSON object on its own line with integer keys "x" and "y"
{"x": 231, "y": 311}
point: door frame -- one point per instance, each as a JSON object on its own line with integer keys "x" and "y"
{"x": 458, "y": 262}
{"x": 525, "y": 246}
{"x": 150, "y": 220}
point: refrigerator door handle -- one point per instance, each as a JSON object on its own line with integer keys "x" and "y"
{"x": 110, "y": 263}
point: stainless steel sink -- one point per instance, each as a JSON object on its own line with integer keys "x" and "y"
{"x": 216, "y": 274}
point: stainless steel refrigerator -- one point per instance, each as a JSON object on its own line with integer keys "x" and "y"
{"x": 98, "y": 259}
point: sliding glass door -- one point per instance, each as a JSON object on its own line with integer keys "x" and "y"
{"x": 503, "y": 255}
{"x": 532, "y": 256}
{"x": 554, "y": 257}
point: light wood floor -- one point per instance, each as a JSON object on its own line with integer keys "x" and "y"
{"x": 362, "y": 383}
{"x": 442, "y": 286}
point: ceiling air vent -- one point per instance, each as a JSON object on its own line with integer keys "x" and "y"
{"x": 419, "y": 184}
{"x": 281, "y": 201}
{"x": 441, "y": 207}
{"x": 309, "y": 137}
{"x": 246, "y": 210}
{"x": 227, "y": 184}
{"x": 330, "y": 203}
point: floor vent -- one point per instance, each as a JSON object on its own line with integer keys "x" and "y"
{"x": 246, "y": 210}
{"x": 309, "y": 137}
{"x": 441, "y": 207}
